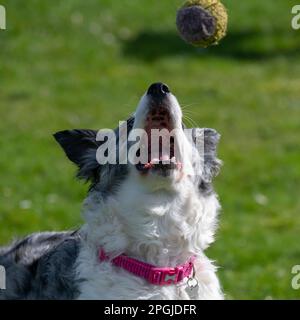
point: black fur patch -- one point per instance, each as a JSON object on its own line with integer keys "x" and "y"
{"x": 80, "y": 146}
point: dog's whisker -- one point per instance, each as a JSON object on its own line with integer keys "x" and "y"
{"x": 192, "y": 122}
{"x": 185, "y": 106}
{"x": 188, "y": 120}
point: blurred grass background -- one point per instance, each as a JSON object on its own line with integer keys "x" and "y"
{"x": 85, "y": 64}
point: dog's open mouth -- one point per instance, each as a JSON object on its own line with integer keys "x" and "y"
{"x": 159, "y": 142}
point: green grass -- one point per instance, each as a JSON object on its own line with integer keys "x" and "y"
{"x": 77, "y": 64}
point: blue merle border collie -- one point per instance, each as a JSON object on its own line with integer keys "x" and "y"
{"x": 146, "y": 225}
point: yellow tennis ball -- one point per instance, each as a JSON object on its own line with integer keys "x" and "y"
{"x": 202, "y": 23}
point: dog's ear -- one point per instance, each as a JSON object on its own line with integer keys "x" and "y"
{"x": 210, "y": 139}
{"x": 80, "y": 147}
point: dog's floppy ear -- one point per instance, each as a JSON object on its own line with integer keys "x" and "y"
{"x": 210, "y": 139}
{"x": 80, "y": 147}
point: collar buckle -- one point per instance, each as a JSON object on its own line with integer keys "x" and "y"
{"x": 166, "y": 276}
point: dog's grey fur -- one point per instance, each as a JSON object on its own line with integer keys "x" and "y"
{"x": 41, "y": 266}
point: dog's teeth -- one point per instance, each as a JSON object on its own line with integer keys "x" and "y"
{"x": 165, "y": 159}
{"x": 155, "y": 161}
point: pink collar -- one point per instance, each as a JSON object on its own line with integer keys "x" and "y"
{"x": 155, "y": 275}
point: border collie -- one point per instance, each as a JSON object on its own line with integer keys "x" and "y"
{"x": 147, "y": 223}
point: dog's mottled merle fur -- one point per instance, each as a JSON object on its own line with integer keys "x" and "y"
{"x": 43, "y": 265}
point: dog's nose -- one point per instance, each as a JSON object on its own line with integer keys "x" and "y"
{"x": 158, "y": 90}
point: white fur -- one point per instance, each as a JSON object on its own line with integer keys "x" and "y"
{"x": 155, "y": 219}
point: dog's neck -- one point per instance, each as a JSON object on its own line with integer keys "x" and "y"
{"x": 162, "y": 227}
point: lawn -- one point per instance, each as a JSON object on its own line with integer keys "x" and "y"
{"x": 85, "y": 64}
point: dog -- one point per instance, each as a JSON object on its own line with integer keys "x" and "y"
{"x": 147, "y": 225}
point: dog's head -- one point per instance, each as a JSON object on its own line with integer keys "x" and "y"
{"x": 153, "y": 147}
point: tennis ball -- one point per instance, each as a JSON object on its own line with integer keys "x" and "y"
{"x": 202, "y": 23}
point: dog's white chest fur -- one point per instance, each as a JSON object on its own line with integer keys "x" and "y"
{"x": 161, "y": 228}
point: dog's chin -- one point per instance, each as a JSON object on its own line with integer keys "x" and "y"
{"x": 158, "y": 178}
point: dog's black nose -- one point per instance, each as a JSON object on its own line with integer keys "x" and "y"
{"x": 158, "y": 90}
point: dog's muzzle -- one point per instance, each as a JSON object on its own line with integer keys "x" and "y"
{"x": 162, "y": 160}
